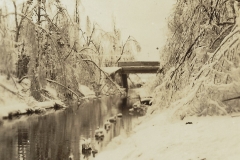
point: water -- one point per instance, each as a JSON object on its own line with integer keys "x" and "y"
{"x": 59, "y": 135}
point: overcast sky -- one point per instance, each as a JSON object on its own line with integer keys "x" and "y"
{"x": 145, "y": 20}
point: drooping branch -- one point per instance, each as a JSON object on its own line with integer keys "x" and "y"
{"x": 224, "y": 23}
{"x": 83, "y": 49}
{"x": 24, "y": 77}
{"x": 220, "y": 35}
{"x": 55, "y": 82}
{"x": 49, "y": 80}
{"x": 187, "y": 53}
{"x": 109, "y": 78}
{"x": 15, "y": 93}
{"x": 213, "y": 11}
{"x": 190, "y": 18}
{"x": 229, "y": 99}
{"x": 97, "y": 48}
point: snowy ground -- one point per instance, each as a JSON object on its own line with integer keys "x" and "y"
{"x": 159, "y": 137}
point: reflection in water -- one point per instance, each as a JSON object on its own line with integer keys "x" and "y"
{"x": 22, "y": 143}
{"x": 59, "y": 136}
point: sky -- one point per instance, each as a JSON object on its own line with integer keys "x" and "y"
{"x": 145, "y": 20}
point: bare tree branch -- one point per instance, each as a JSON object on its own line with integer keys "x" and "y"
{"x": 16, "y": 21}
{"x": 123, "y": 49}
{"x": 90, "y": 38}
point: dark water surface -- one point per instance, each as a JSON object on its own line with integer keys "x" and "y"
{"x": 58, "y": 135}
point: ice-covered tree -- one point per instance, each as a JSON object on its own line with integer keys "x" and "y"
{"x": 198, "y": 67}
{"x": 48, "y": 44}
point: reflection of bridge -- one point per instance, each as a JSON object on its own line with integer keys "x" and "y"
{"x": 125, "y": 68}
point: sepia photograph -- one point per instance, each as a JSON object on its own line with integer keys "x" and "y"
{"x": 119, "y": 79}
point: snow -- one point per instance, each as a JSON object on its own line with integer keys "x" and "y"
{"x": 10, "y": 102}
{"x": 110, "y": 70}
{"x": 47, "y": 104}
{"x": 160, "y": 137}
{"x": 51, "y": 91}
{"x": 86, "y": 91}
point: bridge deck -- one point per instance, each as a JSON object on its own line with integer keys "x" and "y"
{"x": 139, "y": 67}
{"x": 132, "y": 67}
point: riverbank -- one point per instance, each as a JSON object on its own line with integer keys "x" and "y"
{"x": 15, "y": 97}
{"x": 158, "y": 136}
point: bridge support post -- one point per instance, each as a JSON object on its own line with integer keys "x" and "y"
{"x": 124, "y": 81}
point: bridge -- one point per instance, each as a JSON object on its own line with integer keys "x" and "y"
{"x": 125, "y": 68}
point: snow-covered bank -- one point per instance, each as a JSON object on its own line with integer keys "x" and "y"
{"x": 160, "y": 137}
{"x": 9, "y": 101}
{"x": 16, "y": 97}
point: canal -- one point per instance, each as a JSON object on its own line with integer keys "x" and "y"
{"x": 58, "y": 135}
